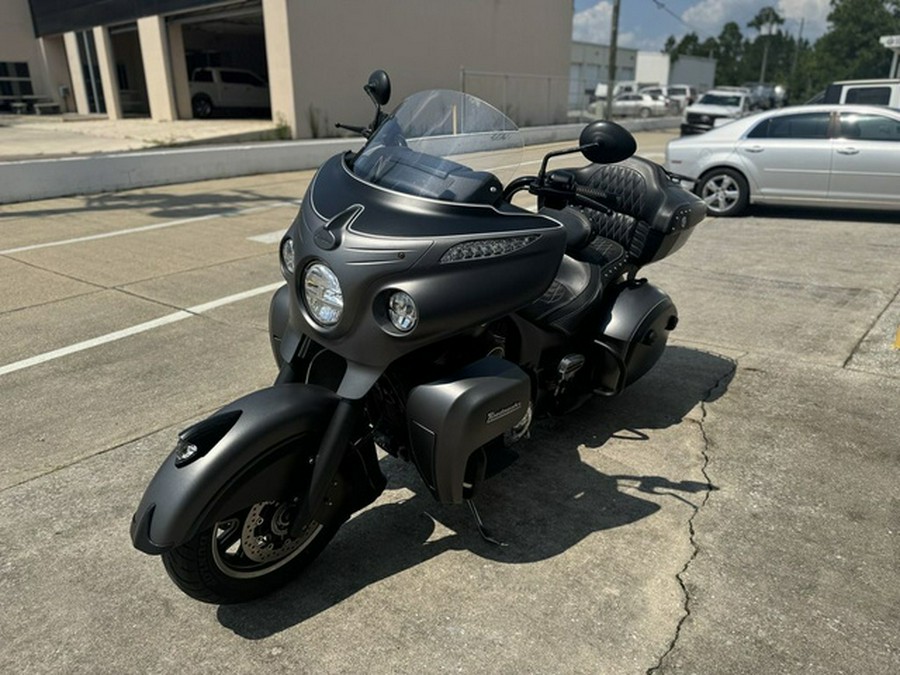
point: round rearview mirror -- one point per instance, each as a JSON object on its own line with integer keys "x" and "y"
{"x": 379, "y": 87}
{"x": 605, "y": 142}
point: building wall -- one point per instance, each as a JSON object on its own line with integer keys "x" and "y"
{"x": 18, "y": 43}
{"x": 590, "y": 63}
{"x": 335, "y": 44}
{"x": 515, "y": 53}
{"x": 653, "y": 67}
{"x": 696, "y": 70}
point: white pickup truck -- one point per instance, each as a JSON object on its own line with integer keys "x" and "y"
{"x": 234, "y": 88}
{"x": 715, "y": 107}
{"x": 865, "y": 92}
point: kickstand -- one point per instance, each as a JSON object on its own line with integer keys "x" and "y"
{"x": 482, "y": 530}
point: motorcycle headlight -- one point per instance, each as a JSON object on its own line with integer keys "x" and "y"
{"x": 322, "y": 294}
{"x": 402, "y": 311}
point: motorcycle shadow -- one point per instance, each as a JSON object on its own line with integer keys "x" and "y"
{"x": 542, "y": 505}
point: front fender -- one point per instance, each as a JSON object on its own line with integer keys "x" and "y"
{"x": 247, "y": 453}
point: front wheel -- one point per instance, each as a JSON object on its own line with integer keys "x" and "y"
{"x": 725, "y": 192}
{"x": 250, "y": 553}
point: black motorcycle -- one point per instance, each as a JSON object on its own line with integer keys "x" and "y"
{"x": 426, "y": 313}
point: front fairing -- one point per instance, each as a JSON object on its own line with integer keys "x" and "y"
{"x": 378, "y": 241}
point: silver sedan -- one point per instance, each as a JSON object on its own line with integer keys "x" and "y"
{"x": 821, "y": 155}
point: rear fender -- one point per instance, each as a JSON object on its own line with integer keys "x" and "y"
{"x": 254, "y": 449}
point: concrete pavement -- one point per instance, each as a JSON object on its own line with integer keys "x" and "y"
{"x": 733, "y": 512}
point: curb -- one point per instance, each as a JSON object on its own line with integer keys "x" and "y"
{"x": 32, "y": 179}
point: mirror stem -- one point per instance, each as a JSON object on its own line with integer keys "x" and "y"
{"x": 558, "y": 153}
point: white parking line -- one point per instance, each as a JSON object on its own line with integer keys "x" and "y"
{"x": 147, "y": 228}
{"x": 134, "y": 330}
{"x": 269, "y": 237}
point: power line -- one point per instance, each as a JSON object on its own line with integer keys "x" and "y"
{"x": 661, "y": 5}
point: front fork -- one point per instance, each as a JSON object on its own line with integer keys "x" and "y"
{"x": 334, "y": 446}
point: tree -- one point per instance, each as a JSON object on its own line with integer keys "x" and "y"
{"x": 850, "y": 49}
{"x": 730, "y": 55}
{"x": 764, "y": 23}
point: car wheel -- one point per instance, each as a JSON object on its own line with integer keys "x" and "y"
{"x": 202, "y": 105}
{"x": 725, "y": 192}
{"x": 644, "y": 113}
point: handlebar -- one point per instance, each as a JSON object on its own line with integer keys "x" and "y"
{"x": 559, "y": 189}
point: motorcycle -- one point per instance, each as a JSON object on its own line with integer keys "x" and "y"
{"x": 426, "y": 313}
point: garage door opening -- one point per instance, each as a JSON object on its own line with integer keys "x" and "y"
{"x": 225, "y": 54}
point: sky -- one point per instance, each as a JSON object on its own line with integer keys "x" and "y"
{"x": 645, "y": 24}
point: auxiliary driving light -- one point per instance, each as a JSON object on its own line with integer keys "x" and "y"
{"x": 322, "y": 293}
{"x": 287, "y": 254}
{"x": 402, "y": 311}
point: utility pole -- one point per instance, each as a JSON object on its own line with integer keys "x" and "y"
{"x": 797, "y": 49}
{"x": 613, "y": 46}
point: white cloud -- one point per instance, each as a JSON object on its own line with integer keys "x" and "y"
{"x": 595, "y": 25}
{"x": 814, "y": 13}
{"x": 709, "y": 16}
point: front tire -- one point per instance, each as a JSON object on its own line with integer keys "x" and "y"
{"x": 725, "y": 192}
{"x": 250, "y": 553}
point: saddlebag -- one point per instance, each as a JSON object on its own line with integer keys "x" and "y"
{"x": 632, "y": 336}
{"x": 451, "y": 418}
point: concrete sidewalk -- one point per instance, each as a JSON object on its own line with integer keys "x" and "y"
{"x": 217, "y": 150}
{"x": 49, "y": 136}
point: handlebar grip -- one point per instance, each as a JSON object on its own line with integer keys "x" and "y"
{"x": 598, "y": 195}
{"x": 596, "y": 199}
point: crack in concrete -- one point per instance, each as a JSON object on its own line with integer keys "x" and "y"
{"x": 118, "y": 446}
{"x": 870, "y": 328}
{"x": 704, "y": 451}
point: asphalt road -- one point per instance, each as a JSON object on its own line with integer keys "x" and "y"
{"x": 735, "y": 511}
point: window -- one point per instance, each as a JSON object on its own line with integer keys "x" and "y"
{"x": 15, "y": 80}
{"x": 867, "y": 127}
{"x": 731, "y": 101}
{"x": 202, "y": 76}
{"x": 805, "y": 125}
{"x": 869, "y": 95}
{"x": 240, "y": 77}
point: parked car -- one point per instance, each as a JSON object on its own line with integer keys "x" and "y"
{"x": 634, "y": 105}
{"x": 715, "y": 107}
{"x": 824, "y": 155}
{"x": 681, "y": 95}
{"x": 228, "y": 88}
{"x": 602, "y": 89}
{"x": 763, "y": 96}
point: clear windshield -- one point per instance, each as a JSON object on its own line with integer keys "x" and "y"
{"x": 445, "y": 145}
{"x": 721, "y": 99}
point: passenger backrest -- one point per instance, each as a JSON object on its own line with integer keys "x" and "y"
{"x": 654, "y": 214}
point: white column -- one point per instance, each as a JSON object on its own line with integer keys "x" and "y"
{"x": 179, "y": 72}
{"x": 107, "y": 67}
{"x": 76, "y": 72}
{"x": 276, "y": 23}
{"x": 157, "y": 68}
